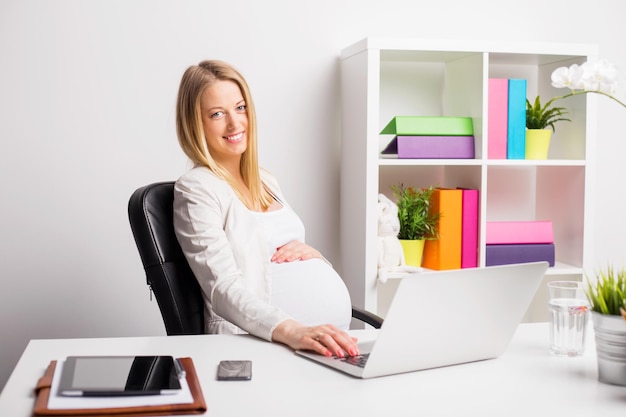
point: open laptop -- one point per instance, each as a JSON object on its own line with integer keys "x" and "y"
{"x": 446, "y": 318}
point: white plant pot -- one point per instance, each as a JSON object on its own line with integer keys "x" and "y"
{"x": 610, "y": 336}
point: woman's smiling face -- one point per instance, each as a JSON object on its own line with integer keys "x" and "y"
{"x": 224, "y": 121}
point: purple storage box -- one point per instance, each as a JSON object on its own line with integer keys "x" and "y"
{"x": 432, "y": 147}
{"x": 504, "y": 254}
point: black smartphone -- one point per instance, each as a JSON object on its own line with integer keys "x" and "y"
{"x": 234, "y": 371}
{"x": 90, "y": 376}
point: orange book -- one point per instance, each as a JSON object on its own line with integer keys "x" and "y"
{"x": 445, "y": 252}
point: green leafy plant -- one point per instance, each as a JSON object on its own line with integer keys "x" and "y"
{"x": 417, "y": 221}
{"x": 607, "y": 293}
{"x": 542, "y": 117}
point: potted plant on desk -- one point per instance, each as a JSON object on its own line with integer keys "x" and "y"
{"x": 417, "y": 221}
{"x": 607, "y": 294}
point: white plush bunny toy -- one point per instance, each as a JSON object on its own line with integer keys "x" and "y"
{"x": 390, "y": 253}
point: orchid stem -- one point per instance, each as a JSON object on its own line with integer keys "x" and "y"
{"x": 578, "y": 92}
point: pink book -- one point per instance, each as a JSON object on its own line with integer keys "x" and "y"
{"x": 498, "y": 111}
{"x": 519, "y": 232}
{"x": 469, "y": 233}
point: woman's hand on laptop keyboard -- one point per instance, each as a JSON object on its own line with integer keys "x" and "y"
{"x": 327, "y": 340}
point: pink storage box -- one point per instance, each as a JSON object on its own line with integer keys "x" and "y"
{"x": 519, "y": 232}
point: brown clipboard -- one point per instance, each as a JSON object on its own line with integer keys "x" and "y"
{"x": 198, "y": 406}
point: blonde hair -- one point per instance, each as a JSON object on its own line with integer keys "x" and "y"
{"x": 190, "y": 132}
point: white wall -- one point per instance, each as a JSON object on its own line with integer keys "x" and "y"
{"x": 87, "y": 92}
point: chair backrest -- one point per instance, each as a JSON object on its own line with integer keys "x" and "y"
{"x": 178, "y": 294}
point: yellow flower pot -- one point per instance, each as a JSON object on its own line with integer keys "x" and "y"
{"x": 538, "y": 143}
{"x": 413, "y": 251}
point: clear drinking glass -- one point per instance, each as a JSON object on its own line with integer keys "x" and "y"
{"x": 569, "y": 312}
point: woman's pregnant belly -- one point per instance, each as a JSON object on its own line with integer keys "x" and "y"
{"x": 311, "y": 292}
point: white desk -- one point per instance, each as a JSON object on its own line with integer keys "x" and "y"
{"x": 526, "y": 380}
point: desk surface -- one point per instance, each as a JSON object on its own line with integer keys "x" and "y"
{"x": 525, "y": 380}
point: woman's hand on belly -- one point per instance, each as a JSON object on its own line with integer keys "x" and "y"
{"x": 294, "y": 251}
{"x": 326, "y": 339}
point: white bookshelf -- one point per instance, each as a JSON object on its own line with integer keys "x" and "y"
{"x": 383, "y": 78}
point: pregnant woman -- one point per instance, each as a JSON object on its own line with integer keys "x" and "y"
{"x": 241, "y": 238}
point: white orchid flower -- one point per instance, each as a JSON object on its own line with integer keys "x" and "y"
{"x": 565, "y": 77}
{"x": 599, "y": 76}
{"x": 590, "y": 76}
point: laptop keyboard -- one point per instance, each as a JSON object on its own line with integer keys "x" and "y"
{"x": 358, "y": 360}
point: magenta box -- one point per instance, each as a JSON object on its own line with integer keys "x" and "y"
{"x": 432, "y": 147}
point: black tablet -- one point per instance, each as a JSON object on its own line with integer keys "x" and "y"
{"x": 120, "y": 375}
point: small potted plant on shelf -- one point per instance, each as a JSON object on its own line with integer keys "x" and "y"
{"x": 590, "y": 77}
{"x": 538, "y": 119}
{"x": 542, "y": 117}
{"x": 607, "y": 295}
{"x": 418, "y": 222}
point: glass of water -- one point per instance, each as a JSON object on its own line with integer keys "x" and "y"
{"x": 568, "y": 310}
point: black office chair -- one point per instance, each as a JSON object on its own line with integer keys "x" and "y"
{"x": 178, "y": 294}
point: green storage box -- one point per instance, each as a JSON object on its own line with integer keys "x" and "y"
{"x": 430, "y": 126}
